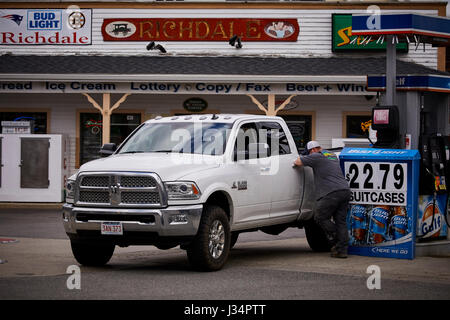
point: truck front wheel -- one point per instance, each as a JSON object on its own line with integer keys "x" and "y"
{"x": 210, "y": 248}
{"x": 89, "y": 254}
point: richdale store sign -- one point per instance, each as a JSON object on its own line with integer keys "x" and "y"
{"x": 199, "y": 29}
{"x": 45, "y": 27}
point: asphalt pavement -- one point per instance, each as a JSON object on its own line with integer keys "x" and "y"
{"x": 260, "y": 267}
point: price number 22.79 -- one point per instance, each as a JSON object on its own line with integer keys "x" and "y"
{"x": 376, "y": 176}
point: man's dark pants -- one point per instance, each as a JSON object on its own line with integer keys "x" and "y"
{"x": 334, "y": 204}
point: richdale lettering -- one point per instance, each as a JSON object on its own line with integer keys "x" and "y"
{"x": 39, "y": 38}
{"x": 180, "y": 29}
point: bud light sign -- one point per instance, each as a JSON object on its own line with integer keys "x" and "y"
{"x": 44, "y": 20}
{"x": 382, "y": 213}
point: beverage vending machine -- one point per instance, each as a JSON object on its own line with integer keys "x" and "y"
{"x": 382, "y": 213}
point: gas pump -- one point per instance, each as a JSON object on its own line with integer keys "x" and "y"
{"x": 385, "y": 119}
{"x": 434, "y": 170}
{"x": 433, "y": 189}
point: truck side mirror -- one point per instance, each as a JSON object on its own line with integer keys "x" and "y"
{"x": 108, "y": 149}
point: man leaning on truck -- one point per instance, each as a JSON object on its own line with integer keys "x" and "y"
{"x": 332, "y": 195}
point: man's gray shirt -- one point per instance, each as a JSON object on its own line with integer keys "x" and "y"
{"x": 328, "y": 175}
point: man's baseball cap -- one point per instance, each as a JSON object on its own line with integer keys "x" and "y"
{"x": 312, "y": 144}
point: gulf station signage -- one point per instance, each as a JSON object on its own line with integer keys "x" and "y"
{"x": 199, "y": 29}
{"x": 344, "y": 40}
{"x": 45, "y": 26}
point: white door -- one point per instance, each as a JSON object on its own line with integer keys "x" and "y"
{"x": 286, "y": 180}
{"x": 250, "y": 188}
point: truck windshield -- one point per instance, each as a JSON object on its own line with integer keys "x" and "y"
{"x": 179, "y": 137}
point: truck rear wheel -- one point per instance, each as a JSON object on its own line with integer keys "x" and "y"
{"x": 210, "y": 248}
{"x": 316, "y": 237}
{"x": 92, "y": 254}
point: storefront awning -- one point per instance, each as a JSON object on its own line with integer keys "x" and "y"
{"x": 143, "y": 68}
{"x": 189, "y": 75}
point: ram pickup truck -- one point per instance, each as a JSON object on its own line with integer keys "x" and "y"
{"x": 194, "y": 181}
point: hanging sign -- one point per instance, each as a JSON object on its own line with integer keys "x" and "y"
{"x": 45, "y": 26}
{"x": 383, "y": 206}
{"x": 195, "y": 105}
{"x": 199, "y": 29}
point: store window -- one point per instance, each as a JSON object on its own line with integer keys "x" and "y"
{"x": 301, "y": 129}
{"x": 357, "y": 126}
{"x": 38, "y": 119}
{"x": 122, "y": 124}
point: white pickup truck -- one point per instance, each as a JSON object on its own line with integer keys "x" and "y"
{"x": 193, "y": 181}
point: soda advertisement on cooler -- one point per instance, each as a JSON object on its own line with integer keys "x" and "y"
{"x": 382, "y": 213}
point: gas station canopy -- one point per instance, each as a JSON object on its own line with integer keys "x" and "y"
{"x": 403, "y": 27}
{"x": 414, "y": 27}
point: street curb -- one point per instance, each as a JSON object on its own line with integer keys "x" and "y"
{"x": 31, "y": 205}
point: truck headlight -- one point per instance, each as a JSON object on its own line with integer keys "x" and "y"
{"x": 182, "y": 190}
{"x": 70, "y": 191}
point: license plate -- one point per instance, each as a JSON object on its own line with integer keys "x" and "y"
{"x": 114, "y": 228}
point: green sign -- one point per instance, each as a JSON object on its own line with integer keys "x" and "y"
{"x": 342, "y": 39}
{"x": 195, "y": 105}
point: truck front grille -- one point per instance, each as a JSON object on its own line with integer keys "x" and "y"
{"x": 94, "y": 196}
{"x": 95, "y": 181}
{"x": 120, "y": 190}
{"x": 140, "y": 197}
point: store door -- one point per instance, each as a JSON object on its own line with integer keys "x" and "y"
{"x": 122, "y": 124}
{"x": 34, "y": 162}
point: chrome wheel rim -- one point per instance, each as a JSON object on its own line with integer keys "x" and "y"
{"x": 216, "y": 239}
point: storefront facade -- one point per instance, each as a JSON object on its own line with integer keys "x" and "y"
{"x": 78, "y": 70}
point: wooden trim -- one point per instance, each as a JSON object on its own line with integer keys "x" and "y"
{"x": 48, "y": 111}
{"x": 209, "y": 5}
{"x": 92, "y": 110}
{"x": 351, "y": 113}
{"x": 293, "y": 113}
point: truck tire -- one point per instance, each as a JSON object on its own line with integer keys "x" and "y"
{"x": 316, "y": 237}
{"x": 92, "y": 254}
{"x": 210, "y": 248}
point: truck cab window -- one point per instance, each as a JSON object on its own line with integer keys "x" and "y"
{"x": 274, "y": 135}
{"x": 247, "y": 135}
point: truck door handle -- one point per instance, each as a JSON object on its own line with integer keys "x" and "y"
{"x": 265, "y": 169}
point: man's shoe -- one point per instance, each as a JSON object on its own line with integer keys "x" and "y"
{"x": 340, "y": 255}
{"x": 333, "y": 250}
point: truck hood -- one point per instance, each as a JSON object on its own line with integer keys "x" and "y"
{"x": 168, "y": 166}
